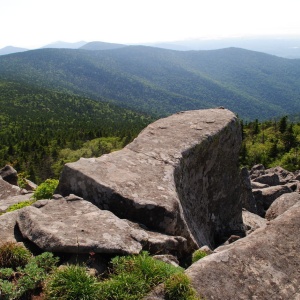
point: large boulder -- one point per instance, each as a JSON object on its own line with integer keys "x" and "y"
{"x": 73, "y": 225}
{"x": 180, "y": 176}
{"x": 270, "y": 194}
{"x": 281, "y": 204}
{"x": 9, "y": 174}
{"x": 263, "y": 265}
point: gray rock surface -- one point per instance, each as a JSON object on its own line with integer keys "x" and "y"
{"x": 247, "y": 198}
{"x": 5, "y": 204}
{"x": 284, "y": 175}
{"x": 252, "y": 221}
{"x": 171, "y": 177}
{"x": 269, "y": 179}
{"x": 270, "y": 194}
{"x": 8, "y": 231}
{"x": 8, "y": 190}
{"x": 9, "y": 174}
{"x": 77, "y": 226}
{"x": 257, "y": 185}
{"x": 281, "y": 204}
{"x": 263, "y": 265}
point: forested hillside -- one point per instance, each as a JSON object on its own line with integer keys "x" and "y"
{"x": 272, "y": 143}
{"x": 161, "y": 82}
{"x": 40, "y": 130}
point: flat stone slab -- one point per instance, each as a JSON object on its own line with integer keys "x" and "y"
{"x": 170, "y": 178}
{"x": 74, "y": 225}
{"x": 77, "y": 227}
{"x": 263, "y": 265}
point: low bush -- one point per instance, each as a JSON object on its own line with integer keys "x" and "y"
{"x": 134, "y": 276}
{"x": 21, "y": 282}
{"x": 13, "y": 255}
{"x": 198, "y": 254}
{"x": 45, "y": 190}
{"x": 178, "y": 287}
{"x": 71, "y": 282}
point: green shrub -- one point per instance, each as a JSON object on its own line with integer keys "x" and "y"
{"x": 178, "y": 287}
{"x": 20, "y": 205}
{"x": 6, "y": 273}
{"x": 134, "y": 276}
{"x": 46, "y": 261}
{"x": 198, "y": 254}
{"x": 26, "y": 279}
{"x": 13, "y": 255}
{"x": 45, "y": 190}
{"x": 71, "y": 282}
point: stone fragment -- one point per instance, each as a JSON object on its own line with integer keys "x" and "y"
{"x": 257, "y": 185}
{"x": 252, "y": 221}
{"x": 170, "y": 178}
{"x": 281, "y": 204}
{"x": 269, "y": 179}
{"x": 263, "y": 265}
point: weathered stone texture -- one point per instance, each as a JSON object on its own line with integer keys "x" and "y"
{"x": 263, "y": 265}
{"x": 180, "y": 177}
{"x": 281, "y": 204}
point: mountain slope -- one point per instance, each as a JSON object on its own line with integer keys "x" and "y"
{"x": 11, "y": 49}
{"x": 161, "y": 81}
{"x": 101, "y": 46}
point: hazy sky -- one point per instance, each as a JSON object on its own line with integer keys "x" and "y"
{"x": 34, "y": 23}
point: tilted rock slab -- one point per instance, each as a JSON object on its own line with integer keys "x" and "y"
{"x": 180, "y": 176}
{"x": 78, "y": 226}
{"x": 263, "y": 265}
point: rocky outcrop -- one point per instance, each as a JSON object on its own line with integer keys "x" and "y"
{"x": 263, "y": 265}
{"x": 170, "y": 178}
{"x": 281, "y": 204}
{"x": 74, "y": 225}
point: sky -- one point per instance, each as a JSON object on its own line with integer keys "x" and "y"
{"x": 35, "y": 23}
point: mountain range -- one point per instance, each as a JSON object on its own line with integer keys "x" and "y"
{"x": 282, "y": 46}
{"x": 160, "y": 82}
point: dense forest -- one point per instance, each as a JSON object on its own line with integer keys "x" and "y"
{"x": 161, "y": 82}
{"x": 272, "y": 143}
{"x": 40, "y": 130}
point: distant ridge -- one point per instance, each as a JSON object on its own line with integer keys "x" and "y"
{"x": 161, "y": 82}
{"x": 65, "y": 45}
{"x": 102, "y": 46}
{"x": 11, "y": 49}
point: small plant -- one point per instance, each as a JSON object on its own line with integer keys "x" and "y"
{"x": 134, "y": 276}
{"x": 22, "y": 177}
{"x": 23, "y": 281}
{"x": 198, "y": 254}
{"x": 71, "y": 282}
{"x": 46, "y": 189}
{"x": 178, "y": 287}
{"x": 13, "y": 255}
{"x": 6, "y": 273}
{"x": 20, "y": 205}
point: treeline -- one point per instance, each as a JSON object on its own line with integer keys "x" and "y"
{"x": 271, "y": 143}
{"x": 38, "y": 127}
